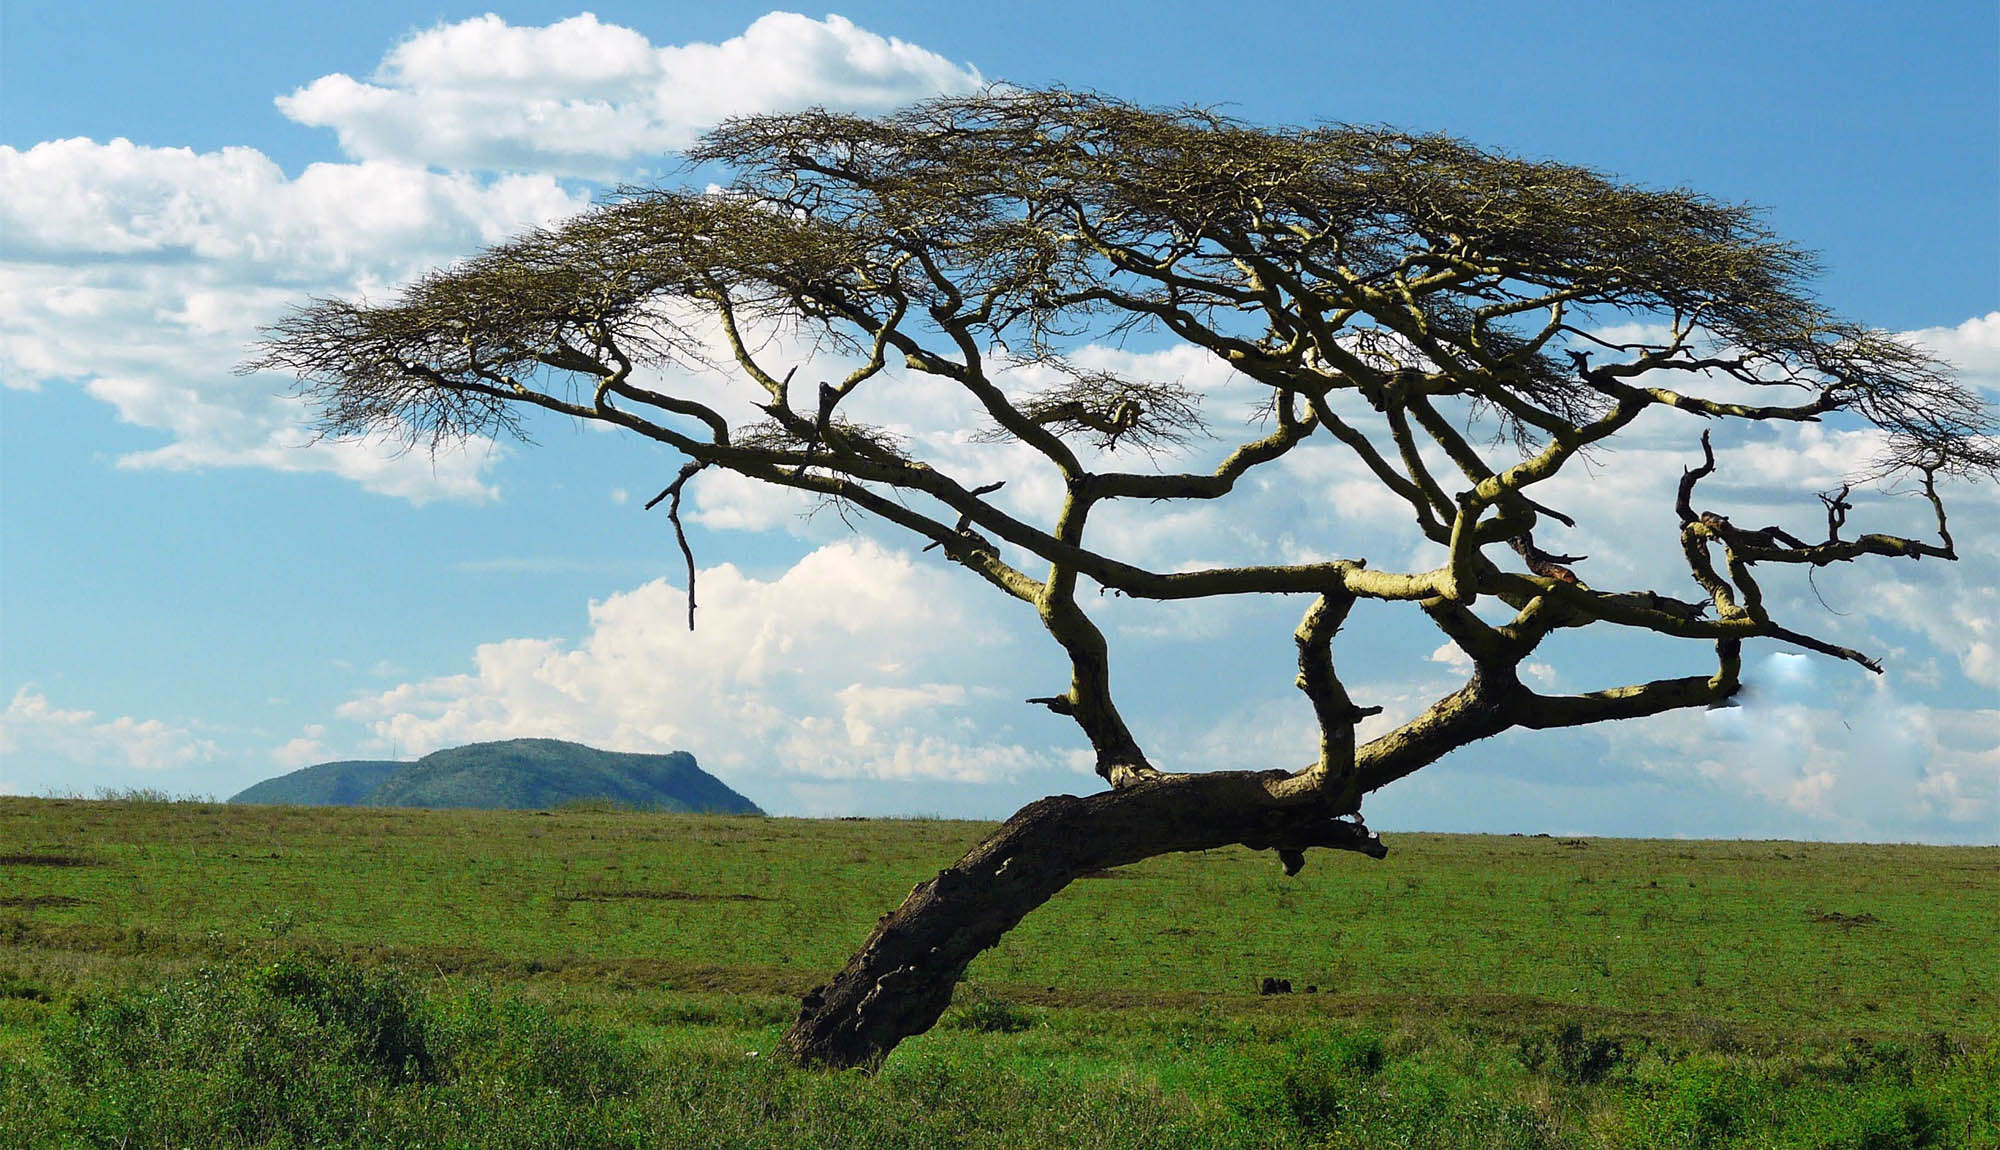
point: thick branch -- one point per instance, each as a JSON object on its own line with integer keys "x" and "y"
{"x": 1475, "y": 711}
{"x": 1334, "y": 711}
{"x": 1494, "y": 701}
{"x": 1540, "y": 712}
{"x": 1220, "y": 482}
{"x": 1119, "y": 760}
{"x": 901, "y": 979}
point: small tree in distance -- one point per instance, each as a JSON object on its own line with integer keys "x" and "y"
{"x": 1432, "y": 308}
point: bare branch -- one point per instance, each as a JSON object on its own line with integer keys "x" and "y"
{"x": 673, "y": 491}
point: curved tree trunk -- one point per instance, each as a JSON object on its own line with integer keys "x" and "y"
{"x": 901, "y": 979}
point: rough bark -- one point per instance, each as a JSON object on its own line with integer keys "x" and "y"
{"x": 902, "y": 978}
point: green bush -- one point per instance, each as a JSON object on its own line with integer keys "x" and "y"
{"x": 1700, "y": 1104}
{"x": 380, "y": 1011}
{"x": 1893, "y": 1121}
{"x": 1863, "y": 1060}
{"x": 308, "y": 1051}
{"x": 1581, "y": 1060}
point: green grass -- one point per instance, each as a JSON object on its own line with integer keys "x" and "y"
{"x": 1474, "y": 991}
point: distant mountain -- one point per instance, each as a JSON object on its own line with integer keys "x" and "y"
{"x": 519, "y": 774}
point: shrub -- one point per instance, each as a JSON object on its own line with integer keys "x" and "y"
{"x": 1863, "y": 1060}
{"x": 1700, "y": 1104}
{"x": 212, "y": 1059}
{"x": 1582, "y": 1060}
{"x": 1893, "y": 1121}
{"x": 380, "y": 1012}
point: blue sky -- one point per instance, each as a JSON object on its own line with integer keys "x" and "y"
{"x": 192, "y": 597}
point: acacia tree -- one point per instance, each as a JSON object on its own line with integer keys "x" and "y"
{"x": 1389, "y": 291}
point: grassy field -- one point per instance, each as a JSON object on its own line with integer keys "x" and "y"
{"x": 608, "y": 978}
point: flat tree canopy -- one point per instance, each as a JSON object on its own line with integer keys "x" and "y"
{"x": 1435, "y": 309}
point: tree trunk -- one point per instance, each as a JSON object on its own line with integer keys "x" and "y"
{"x": 901, "y": 979}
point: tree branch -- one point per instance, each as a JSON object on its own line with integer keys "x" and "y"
{"x": 1333, "y": 710}
{"x": 673, "y": 491}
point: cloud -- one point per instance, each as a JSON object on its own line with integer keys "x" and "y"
{"x": 1260, "y": 736}
{"x": 303, "y": 751}
{"x": 1973, "y": 347}
{"x": 1956, "y": 611}
{"x": 143, "y": 274}
{"x": 588, "y": 98}
{"x": 726, "y": 501}
{"x": 857, "y": 662}
{"x": 73, "y": 201}
{"x": 1846, "y": 760}
{"x": 1452, "y": 657}
{"x": 33, "y": 728}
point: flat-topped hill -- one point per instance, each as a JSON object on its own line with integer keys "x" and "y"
{"x": 518, "y": 774}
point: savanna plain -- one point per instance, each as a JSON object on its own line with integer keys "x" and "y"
{"x": 195, "y": 974}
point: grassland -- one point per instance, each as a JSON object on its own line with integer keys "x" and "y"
{"x": 593, "y": 977}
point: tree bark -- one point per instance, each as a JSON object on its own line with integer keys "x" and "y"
{"x": 902, "y": 978}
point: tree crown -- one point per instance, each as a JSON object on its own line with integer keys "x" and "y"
{"x": 1388, "y": 290}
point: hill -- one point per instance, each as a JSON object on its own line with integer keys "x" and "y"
{"x": 343, "y": 784}
{"x": 518, "y": 774}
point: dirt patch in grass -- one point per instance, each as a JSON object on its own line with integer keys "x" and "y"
{"x": 584, "y": 969}
{"x": 1843, "y": 921}
{"x": 662, "y": 896}
{"x": 39, "y": 900}
{"x": 47, "y": 860}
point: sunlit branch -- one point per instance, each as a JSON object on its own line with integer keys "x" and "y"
{"x": 1333, "y": 711}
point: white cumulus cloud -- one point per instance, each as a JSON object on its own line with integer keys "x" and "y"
{"x": 143, "y": 274}
{"x": 304, "y": 750}
{"x": 856, "y": 662}
{"x": 1859, "y": 763}
{"x": 588, "y": 98}
{"x": 33, "y": 728}
{"x": 1973, "y": 347}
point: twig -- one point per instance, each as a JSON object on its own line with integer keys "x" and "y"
{"x": 965, "y": 520}
{"x": 688, "y": 471}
